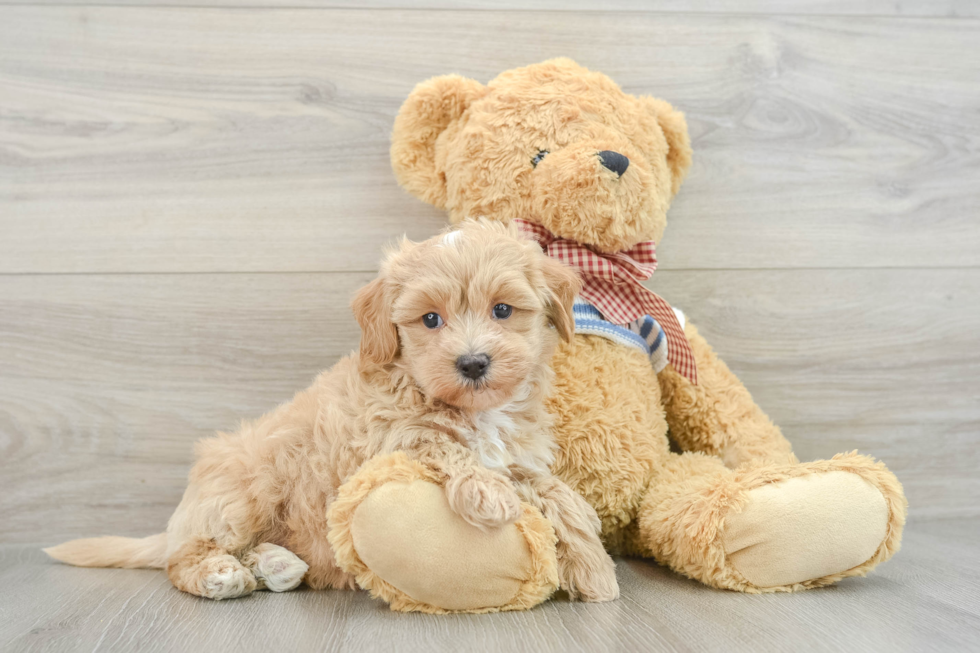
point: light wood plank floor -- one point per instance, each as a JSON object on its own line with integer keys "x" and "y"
{"x": 927, "y": 600}
{"x": 190, "y": 190}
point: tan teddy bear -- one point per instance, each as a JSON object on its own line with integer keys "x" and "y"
{"x": 590, "y": 171}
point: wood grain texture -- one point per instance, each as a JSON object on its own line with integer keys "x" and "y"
{"x": 920, "y": 8}
{"x": 106, "y": 381}
{"x": 925, "y": 599}
{"x": 143, "y": 139}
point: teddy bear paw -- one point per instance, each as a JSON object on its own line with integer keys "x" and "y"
{"x": 808, "y": 529}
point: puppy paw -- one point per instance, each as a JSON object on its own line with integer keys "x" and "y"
{"x": 483, "y": 498}
{"x": 225, "y": 578}
{"x": 588, "y": 576}
{"x": 275, "y": 568}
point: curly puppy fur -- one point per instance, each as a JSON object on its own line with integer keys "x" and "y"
{"x": 486, "y": 440}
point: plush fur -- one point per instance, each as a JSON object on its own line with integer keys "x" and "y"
{"x": 528, "y": 144}
{"x": 255, "y": 513}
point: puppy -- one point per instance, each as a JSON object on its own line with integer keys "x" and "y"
{"x": 453, "y": 367}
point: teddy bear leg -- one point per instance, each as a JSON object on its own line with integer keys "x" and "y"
{"x": 772, "y": 528}
{"x": 391, "y": 526}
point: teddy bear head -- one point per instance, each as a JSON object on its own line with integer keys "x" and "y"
{"x": 552, "y": 143}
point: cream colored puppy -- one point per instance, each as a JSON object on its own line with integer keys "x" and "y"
{"x": 453, "y": 367}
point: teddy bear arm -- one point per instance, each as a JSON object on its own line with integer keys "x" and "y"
{"x": 718, "y": 415}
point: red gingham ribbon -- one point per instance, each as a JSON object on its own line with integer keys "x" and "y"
{"x": 611, "y": 283}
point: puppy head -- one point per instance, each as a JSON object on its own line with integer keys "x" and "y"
{"x": 471, "y": 315}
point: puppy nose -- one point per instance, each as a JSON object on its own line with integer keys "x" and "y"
{"x": 614, "y": 161}
{"x": 473, "y": 367}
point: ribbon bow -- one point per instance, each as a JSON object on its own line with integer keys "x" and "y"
{"x": 612, "y": 283}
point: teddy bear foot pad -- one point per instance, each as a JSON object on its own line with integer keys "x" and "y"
{"x": 393, "y": 529}
{"x": 805, "y": 528}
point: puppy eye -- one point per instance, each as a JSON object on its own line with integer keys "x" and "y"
{"x": 432, "y": 320}
{"x": 502, "y": 311}
{"x": 539, "y": 157}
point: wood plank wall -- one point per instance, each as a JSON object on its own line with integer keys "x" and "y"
{"x": 190, "y": 194}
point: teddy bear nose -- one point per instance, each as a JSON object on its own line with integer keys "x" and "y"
{"x": 473, "y": 367}
{"x": 614, "y": 161}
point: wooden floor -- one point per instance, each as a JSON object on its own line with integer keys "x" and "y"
{"x": 190, "y": 190}
{"x": 928, "y": 599}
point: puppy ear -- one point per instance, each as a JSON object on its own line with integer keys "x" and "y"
{"x": 563, "y": 285}
{"x": 379, "y": 335}
{"x": 430, "y": 109}
{"x": 674, "y": 126}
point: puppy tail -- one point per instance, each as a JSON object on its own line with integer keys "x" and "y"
{"x": 110, "y": 551}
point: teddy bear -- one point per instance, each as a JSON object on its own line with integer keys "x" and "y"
{"x": 652, "y": 428}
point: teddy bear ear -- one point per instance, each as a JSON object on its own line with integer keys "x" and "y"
{"x": 429, "y": 110}
{"x": 679, "y": 143}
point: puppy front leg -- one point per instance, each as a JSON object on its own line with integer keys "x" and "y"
{"x": 483, "y": 498}
{"x": 585, "y": 570}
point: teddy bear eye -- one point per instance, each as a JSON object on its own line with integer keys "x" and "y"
{"x": 538, "y": 157}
